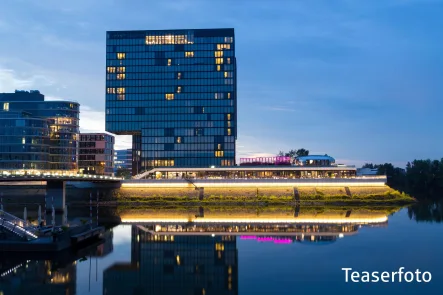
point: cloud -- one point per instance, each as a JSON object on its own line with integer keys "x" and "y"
{"x": 93, "y": 121}
{"x": 11, "y": 81}
{"x": 121, "y": 235}
{"x": 123, "y": 142}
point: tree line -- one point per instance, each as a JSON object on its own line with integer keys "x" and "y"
{"x": 422, "y": 179}
{"x": 294, "y": 153}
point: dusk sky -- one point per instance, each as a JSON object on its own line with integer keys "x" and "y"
{"x": 361, "y": 80}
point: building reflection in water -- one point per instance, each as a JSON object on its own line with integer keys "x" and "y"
{"x": 195, "y": 251}
{"x": 169, "y": 264}
{"x": 43, "y": 274}
{"x": 38, "y": 277}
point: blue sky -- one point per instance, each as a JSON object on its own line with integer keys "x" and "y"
{"x": 359, "y": 80}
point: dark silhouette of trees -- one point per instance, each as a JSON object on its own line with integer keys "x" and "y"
{"x": 294, "y": 153}
{"x": 422, "y": 179}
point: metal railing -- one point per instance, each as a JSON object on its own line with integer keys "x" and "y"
{"x": 17, "y": 226}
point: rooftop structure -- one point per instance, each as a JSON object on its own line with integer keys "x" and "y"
{"x": 242, "y": 172}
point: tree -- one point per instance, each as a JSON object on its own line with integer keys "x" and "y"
{"x": 302, "y": 152}
{"x": 125, "y": 173}
{"x": 294, "y": 153}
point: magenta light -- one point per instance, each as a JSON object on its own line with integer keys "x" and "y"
{"x": 283, "y": 241}
{"x": 266, "y": 239}
{"x": 248, "y": 237}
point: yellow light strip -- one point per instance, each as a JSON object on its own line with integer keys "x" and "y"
{"x": 160, "y": 183}
{"x": 258, "y": 220}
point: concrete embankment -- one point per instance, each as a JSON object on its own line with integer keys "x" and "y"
{"x": 379, "y": 194}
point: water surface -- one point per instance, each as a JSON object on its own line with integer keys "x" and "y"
{"x": 247, "y": 251}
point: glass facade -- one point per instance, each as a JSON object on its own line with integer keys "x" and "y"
{"x": 24, "y": 141}
{"x": 123, "y": 159}
{"x": 63, "y": 117}
{"x": 168, "y": 264}
{"x": 96, "y": 153}
{"x": 175, "y": 92}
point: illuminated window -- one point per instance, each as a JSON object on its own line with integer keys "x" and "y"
{"x": 121, "y": 76}
{"x": 218, "y": 154}
{"x": 218, "y": 53}
{"x": 228, "y": 60}
{"x": 120, "y": 97}
{"x": 219, "y": 61}
{"x": 229, "y": 123}
{"x": 121, "y": 90}
{"x": 111, "y": 69}
{"x": 169, "y": 61}
{"x": 6, "y": 106}
{"x": 219, "y": 146}
{"x": 229, "y": 131}
{"x": 228, "y": 39}
{"x": 121, "y": 69}
{"x": 223, "y": 46}
{"x": 179, "y": 89}
{"x": 218, "y": 68}
{"x": 169, "y": 96}
{"x": 203, "y": 110}
{"x": 179, "y": 76}
{"x": 121, "y": 55}
{"x": 179, "y": 139}
{"x": 229, "y": 95}
{"x": 168, "y": 39}
{"x": 218, "y": 95}
{"x": 23, "y": 140}
{"x": 111, "y": 90}
{"x": 228, "y": 116}
{"x": 189, "y": 54}
{"x": 228, "y": 74}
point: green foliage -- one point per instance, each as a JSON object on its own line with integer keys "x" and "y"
{"x": 125, "y": 173}
{"x": 422, "y": 178}
{"x": 294, "y": 153}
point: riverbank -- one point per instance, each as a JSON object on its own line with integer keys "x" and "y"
{"x": 263, "y": 196}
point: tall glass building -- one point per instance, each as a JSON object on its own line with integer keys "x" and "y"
{"x": 175, "y": 92}
{"x": 63, "y": 118}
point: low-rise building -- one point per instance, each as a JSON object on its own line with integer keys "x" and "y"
{"x": 367, "y": 171}
{"x": 96, "y": 153}
{"x": 123, "y": 160}
{"x": 63, "y": 120}
{"x": 24, "y": 142}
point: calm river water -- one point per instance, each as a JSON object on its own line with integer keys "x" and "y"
{"x": 249, "y": 251}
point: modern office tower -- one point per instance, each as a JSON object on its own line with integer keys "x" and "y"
{"x": 24, "y": 141}
{"x": 96, "y": 153}
{"x": 63, "y": 119}
{"x": 123, "y": 160}
{"x": 175, "y": 92}
{"x": 180, "y": 264}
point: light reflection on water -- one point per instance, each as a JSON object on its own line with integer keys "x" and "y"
{"x": 167, "y": 252}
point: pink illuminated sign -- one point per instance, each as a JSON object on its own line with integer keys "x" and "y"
{"x": 267, "y": 239}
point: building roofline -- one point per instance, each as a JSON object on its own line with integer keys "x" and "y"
{"x": 166, "y": 30}
{"x": 254, "y": 168}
